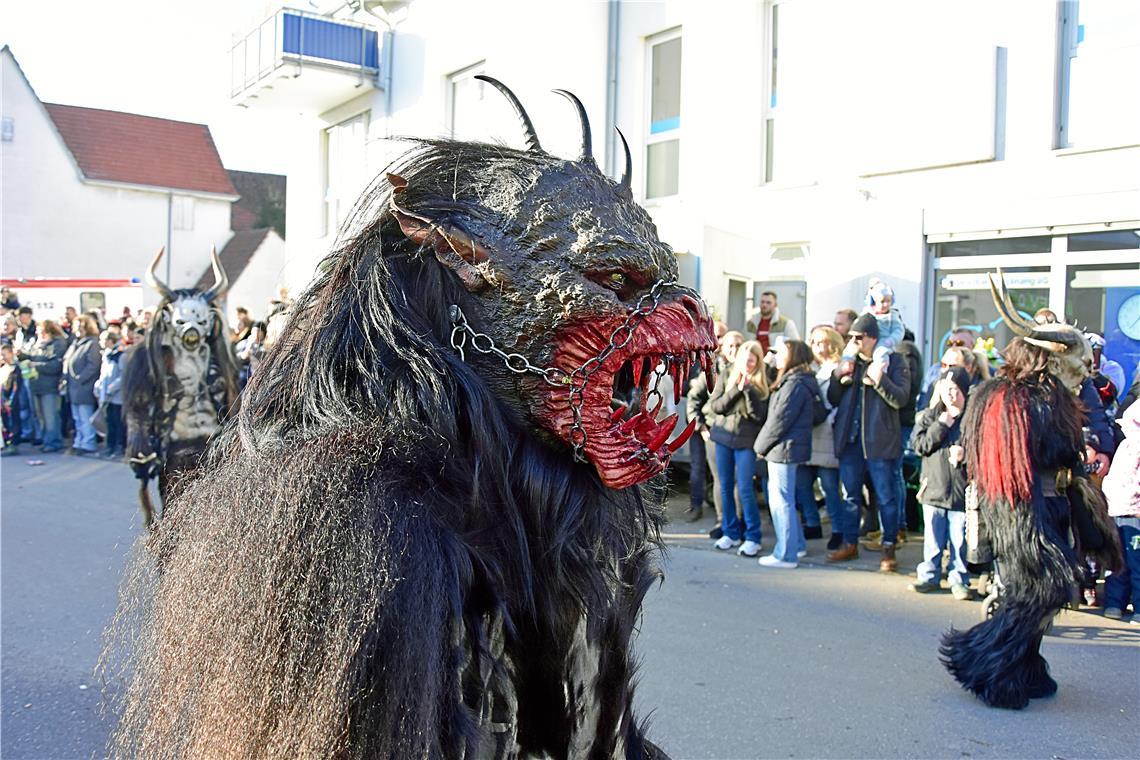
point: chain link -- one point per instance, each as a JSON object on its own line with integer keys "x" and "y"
{"x": 575, "y": 381}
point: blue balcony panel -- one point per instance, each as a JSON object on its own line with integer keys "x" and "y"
{"x": 330, "y": 41}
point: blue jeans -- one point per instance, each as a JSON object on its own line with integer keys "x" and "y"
{"x": 736, "y": 468}
{"x": 832, "y": 497}
{"x": 805, "y": 494}
{"x": 84, "y": 430}
{"x": 782, "y": 503}
{"x": 943, "y": 527}
{"x": 47, "y": 411}
{"x": 852, "y": 470}
{"x": 1118, "y": 587}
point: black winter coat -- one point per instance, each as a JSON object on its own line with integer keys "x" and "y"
{"x": 786, "y": 435}
{"x": 910, "y": 354}
{"x": 735, "y": 416}
{"x": 941, "y": 484}
{"x": 880, "y": 430}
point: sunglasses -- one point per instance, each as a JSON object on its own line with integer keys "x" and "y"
{"x": 956, "y": 343}
{"x": 857, "y": 338}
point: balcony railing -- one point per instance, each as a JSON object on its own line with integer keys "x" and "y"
{"x": 291, "y": 43}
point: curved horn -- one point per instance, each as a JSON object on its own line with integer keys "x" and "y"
{"x": 532, "y": 143}
{"x": 587, "y": 140}
{"x": 221, "y": 281}
{"x": 152, "y": 277}
{"x": 627, "y": 173}
{"x": 1005, "y": 306}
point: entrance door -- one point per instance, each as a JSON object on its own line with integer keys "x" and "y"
{"x": 736, "y": 312}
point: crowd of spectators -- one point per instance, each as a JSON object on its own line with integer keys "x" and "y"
{"x": 61, "y": 379}
{"x": 832, "y": 421}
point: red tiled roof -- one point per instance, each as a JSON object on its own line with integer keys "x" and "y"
{"x": 141, "y": 150}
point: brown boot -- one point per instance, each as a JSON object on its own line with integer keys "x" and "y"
{"x": 844, "y": 553}
{"x": 888, "y": 564}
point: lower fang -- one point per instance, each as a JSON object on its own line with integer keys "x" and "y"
{"x": 618, "y": 414}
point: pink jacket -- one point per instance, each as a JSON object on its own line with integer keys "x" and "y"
{"x": 1122, "y": 483}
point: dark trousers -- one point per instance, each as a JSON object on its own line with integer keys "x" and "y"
{"x": 698, "y": 469}
{"x": 116, "y": 433}
{"x": 1122, "y": 587}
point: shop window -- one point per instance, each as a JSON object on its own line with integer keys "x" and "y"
{"x": 1039, "y": 244}
{"x": 963, "y": 299}
{"x": 1109, "y": 240}
{"x": 663, "y": 139}
{"x": 1105, "y": 298}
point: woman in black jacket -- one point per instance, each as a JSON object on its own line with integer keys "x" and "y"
{"x": 942, "y": 489}
{"x": 735, "y": 411}
{"x": 785, "y": 443}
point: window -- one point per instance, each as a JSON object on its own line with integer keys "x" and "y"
{"x": 182, "y": 209}
{"x": 995, "y": 247}
{"x": 962, "y": 299}
{"x": 92, "y": 299}
{"x": 345, "y": 169}
{"x": 464, "y": 101}
{"x": 771, "y": 80}
{"x": 1098, "y": 72}
{"x": 663, "y": 141}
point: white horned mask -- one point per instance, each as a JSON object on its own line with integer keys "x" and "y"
{"x": 189, "y": 315}
{"x": 1070, "y": 355}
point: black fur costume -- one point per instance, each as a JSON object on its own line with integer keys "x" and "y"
{"x": 392, "y": 553}
{"x": 152, "y": 391}
{"x": 1022, "y": 433}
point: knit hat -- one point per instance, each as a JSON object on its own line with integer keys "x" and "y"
{"x": 960, "y": 377}
{"x": 1096, "y": 341}
{"x": 877, "y": 290}
{"x": 866, "y": 324}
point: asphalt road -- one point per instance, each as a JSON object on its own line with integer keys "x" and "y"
{"x": 737, "y": 660}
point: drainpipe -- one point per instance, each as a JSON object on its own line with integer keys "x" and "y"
{"x": 381, "y": 14}
{"x": 613, "y": 27}
{"x": 169, "y": 233}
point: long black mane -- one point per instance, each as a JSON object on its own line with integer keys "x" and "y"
{"x": 366, "y": 453}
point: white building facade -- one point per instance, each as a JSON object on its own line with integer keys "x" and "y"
{"x": 799, "y": 146}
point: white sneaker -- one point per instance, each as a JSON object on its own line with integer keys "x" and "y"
{"x": 771, "y": 561}
{"x": 749, "y": 549}
{"x": 801, "y": 554}
{"x": 724, "y": 543}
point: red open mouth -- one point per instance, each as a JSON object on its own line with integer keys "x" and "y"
{"x": 629, "y": 446}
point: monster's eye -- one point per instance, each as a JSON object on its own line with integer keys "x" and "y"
{"x": 616, "y": 281}
{"x": 622, "y": 283}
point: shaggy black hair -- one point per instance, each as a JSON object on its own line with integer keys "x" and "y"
{"x": 382, "y": 558}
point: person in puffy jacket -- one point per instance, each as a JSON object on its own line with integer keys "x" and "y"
{"x": 109, "y": 392}
{"x": 785, "y": 443}
{"x": 81, "y": 366}
{"x": 942, "y": 485}
{"x": 735, "y": 411}
{"x": 45, "y": 365}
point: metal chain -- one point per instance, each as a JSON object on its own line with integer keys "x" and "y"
{"x": 576, "y": 380}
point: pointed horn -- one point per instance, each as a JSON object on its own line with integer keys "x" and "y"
{"x": 1005, "y": 306}
{"x": 627, "y": 173}
{"x": 1068, "y": 338}
{"x": 152, "y": 277}
{"x": 532, "y": 143}
{"x": 587, "y": 140}
{"x": 221, "y": 281}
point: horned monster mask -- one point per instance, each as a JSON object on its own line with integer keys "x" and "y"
{"x": 1071, "y": 357}
{"x": 569, "y": 293}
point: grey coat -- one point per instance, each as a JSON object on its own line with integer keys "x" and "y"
{"x": 46, "y": 358}
{"x": 81, "y": 366}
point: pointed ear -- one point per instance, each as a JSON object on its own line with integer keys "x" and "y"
{"x": 453, "y": 248}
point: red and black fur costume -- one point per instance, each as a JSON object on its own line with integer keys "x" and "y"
{"x": 394, "y": 551}
{"x": 1024, "y": 449}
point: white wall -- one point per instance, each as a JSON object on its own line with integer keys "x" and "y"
{"x": 885, "y": 130}
{"x": 55, "y": 225}
{"x": 260, "y": 280}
